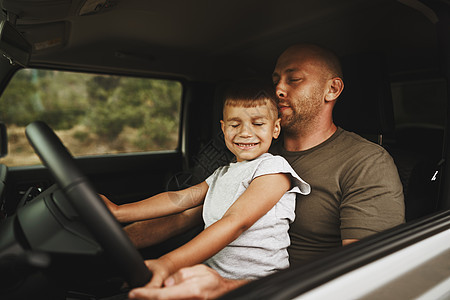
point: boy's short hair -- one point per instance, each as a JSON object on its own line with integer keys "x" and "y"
{"x": 251, "y": 93}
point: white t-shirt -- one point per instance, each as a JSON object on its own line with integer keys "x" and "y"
{"x": 262, "y": 249}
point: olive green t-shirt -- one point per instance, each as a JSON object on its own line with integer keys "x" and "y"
{"x": 355, "y": 192}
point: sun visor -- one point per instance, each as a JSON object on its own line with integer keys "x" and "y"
{"x": 46, "y": 37}
{"x": 37, "y": 9}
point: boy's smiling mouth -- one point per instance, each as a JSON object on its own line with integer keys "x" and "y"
{"x": 246, "y": 145}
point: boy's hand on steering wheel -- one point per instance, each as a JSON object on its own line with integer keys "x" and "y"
{"x": 160, "y": 269}
{"x": 111, "y": 206}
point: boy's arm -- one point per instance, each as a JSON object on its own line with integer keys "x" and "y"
{"x": 261, "y": 195}
{"x": 163, "y": 204}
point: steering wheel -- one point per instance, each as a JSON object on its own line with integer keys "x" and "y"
{"x": 91, "y": 209}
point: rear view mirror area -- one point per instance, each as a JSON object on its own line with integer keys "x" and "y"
{"x": 13, "y": 46}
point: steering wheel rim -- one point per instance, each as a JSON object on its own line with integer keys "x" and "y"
{"x": 91, "y": 209}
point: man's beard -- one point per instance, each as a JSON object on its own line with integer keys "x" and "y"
{"x": 303, "y": 116}
{"x": 292, "y": 124}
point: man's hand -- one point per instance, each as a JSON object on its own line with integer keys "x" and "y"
{"x": 197, "y": 282}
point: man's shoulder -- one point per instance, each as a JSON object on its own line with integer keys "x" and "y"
{"x": 351, "y": 140}
{"x": 359, "y": 151}
{"x": 341, "y": 140}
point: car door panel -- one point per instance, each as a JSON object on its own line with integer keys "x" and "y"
{"x": 123, "y": 178}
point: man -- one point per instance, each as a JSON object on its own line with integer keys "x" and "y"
{"x": 356, "y": 190}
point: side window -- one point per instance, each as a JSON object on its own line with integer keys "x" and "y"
{"x": 420, "y": 113}
{"x": 420, "y": 103}
{"x": 92, "y": 114}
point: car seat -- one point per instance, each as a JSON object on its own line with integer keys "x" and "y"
{"x": 366, "y": 107}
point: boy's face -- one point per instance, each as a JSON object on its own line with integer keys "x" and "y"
{"x": 249, "y": 131}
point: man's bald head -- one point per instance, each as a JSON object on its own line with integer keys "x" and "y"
{"x": 316, "y": 54}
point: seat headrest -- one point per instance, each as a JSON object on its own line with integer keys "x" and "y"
{"x": 365, "y": 105}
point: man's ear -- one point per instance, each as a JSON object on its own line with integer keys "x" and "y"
{"x": 277, "y": 128}
{"x": 336, "y": 85}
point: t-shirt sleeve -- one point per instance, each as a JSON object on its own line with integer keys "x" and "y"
{"x": 372, "y": 197}
{"x": 277, "y": 164}
{"x": 211, "y": 178}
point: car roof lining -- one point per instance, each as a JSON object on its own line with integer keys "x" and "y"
{"x": 217, "y": 38}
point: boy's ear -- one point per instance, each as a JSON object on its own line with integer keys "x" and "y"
{"x": 222, "y": 125}
{"x": 335, "y": 88}
{"x": 277, "y": 128}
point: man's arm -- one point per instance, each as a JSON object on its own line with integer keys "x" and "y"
{"x": 150, "y": 232}
{"x": 372, "y": 196}
{"x": 197, "y": 282}
{"x": 348, "y": 241}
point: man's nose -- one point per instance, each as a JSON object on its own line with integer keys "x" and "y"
{"x": 280, "y": 90}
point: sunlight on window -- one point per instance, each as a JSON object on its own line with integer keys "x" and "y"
{"x": 92, "y": 114}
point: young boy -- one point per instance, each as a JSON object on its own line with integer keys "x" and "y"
{"x": 247, "y": 205}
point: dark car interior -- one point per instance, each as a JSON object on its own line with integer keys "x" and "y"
{"x": 396, "y": 64}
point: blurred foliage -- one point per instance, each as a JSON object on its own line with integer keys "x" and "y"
{"x": 104, "y": 104}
